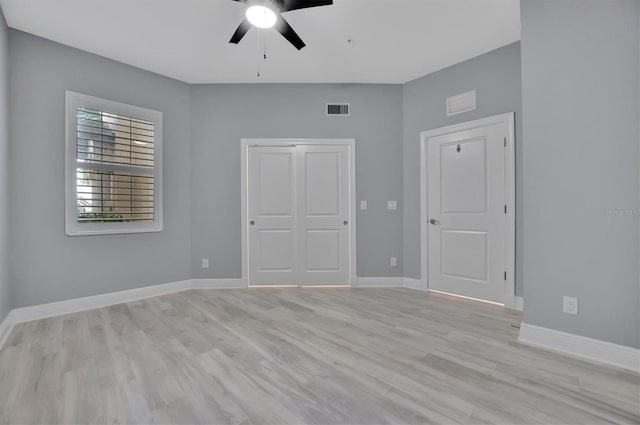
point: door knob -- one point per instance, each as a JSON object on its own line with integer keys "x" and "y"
{"x": 345, "y": 222}
{"x": 252, "y": 222}
{"x": 434, "y": 221}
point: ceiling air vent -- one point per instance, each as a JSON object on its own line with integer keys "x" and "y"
{"x": 464, "y": 102}
{"x": 338, "y": 109}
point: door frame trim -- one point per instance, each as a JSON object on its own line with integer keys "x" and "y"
{"x": 246, "y": 143}
{"x": 510, "y": 196}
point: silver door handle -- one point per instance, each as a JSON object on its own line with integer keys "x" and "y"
{"x": 252, "y": 222}
{"x": 345, "y": 222}
{"x": 434, "y": 221}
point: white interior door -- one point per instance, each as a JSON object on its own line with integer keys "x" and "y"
{"x": 323, "y": 225}
{"x": 272, "y": 251}
{"x": 299, "y": 215}
{"x": 466, "y": 212}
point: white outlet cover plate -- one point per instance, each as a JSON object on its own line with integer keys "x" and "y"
{"x": 392, "y": 205}
{"x": 570, "y": 305}
{"x": 363, "y": 205}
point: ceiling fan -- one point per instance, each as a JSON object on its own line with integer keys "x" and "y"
{"x": 267, "y": 14}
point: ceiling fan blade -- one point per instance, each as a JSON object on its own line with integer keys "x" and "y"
{"x": 287, "y": 32}
{"x": 287, "y": 5}
{"x": 243, "y": 28}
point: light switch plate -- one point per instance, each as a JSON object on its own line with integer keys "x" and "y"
{"x": 392, "y": 205}
{"x": 363, "y": 205}
{"x": 393, "y": 262}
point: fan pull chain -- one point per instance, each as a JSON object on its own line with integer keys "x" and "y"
{"x": 259, "y": 46}
{"x": 262, "y": 45}
{"x": 265, "y": 48}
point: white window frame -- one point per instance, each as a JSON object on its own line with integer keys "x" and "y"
{"x": 72, "y": 226}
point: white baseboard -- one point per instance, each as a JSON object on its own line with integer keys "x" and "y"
{"x": 416, "y": 284}
{"x": 378, "y": 282}
{"x": 218, "y": 283}
{"x": 43, "y": 311}
{"x": 514, "y": 303}
{"x": 580, "y": 346}
{"x": 6, "y": 326}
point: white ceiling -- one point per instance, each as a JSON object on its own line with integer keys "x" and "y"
{"x": 394, "y": 41}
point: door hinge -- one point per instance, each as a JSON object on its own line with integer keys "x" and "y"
{"x": 505, "y": 209}
{"x": 505, "y": 275}
{"x": 505, "y": 142}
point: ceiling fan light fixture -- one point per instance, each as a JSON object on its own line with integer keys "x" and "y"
{"x": 261, "y": 16}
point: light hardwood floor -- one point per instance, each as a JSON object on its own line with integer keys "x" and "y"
{"x": 294, "y": 356}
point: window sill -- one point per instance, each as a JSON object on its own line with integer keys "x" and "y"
{"x": 100, "y": 232}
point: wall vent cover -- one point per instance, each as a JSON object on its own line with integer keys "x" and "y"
{"x": 460, "y": 103}
{"x": 338, "y": 109}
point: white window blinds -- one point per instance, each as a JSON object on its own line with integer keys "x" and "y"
{"x": 114, "y": 161}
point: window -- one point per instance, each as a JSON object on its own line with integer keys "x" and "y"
{"x": 113, "y": 167}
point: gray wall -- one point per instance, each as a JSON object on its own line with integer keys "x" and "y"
{"x": 223, "y": 114}
{"x": 203, "y": 127}
{"x": 5, "y": 301}
{"x": 580, "y": 104}
{"x": 496, "y": 78}
{"x": 46, "y": 265}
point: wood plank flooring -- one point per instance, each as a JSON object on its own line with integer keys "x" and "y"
{"x": 300, "y": 356}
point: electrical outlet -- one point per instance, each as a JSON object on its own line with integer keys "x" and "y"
{"x": 205, "y": 263}
{"x": 570, "y": 305}
{"x": 392, "y": 205}
{"x": 393, "y": 262}
{"x": 363, "y": 205}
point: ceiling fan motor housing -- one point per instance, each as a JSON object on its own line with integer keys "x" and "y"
{"x": 281, "y": 25}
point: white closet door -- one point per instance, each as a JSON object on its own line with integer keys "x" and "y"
{"x": 466, "y": 212}
{"x": 272, "y": 253}
{"x": 323, "y": 212}
{"x": 299, "y": 215}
